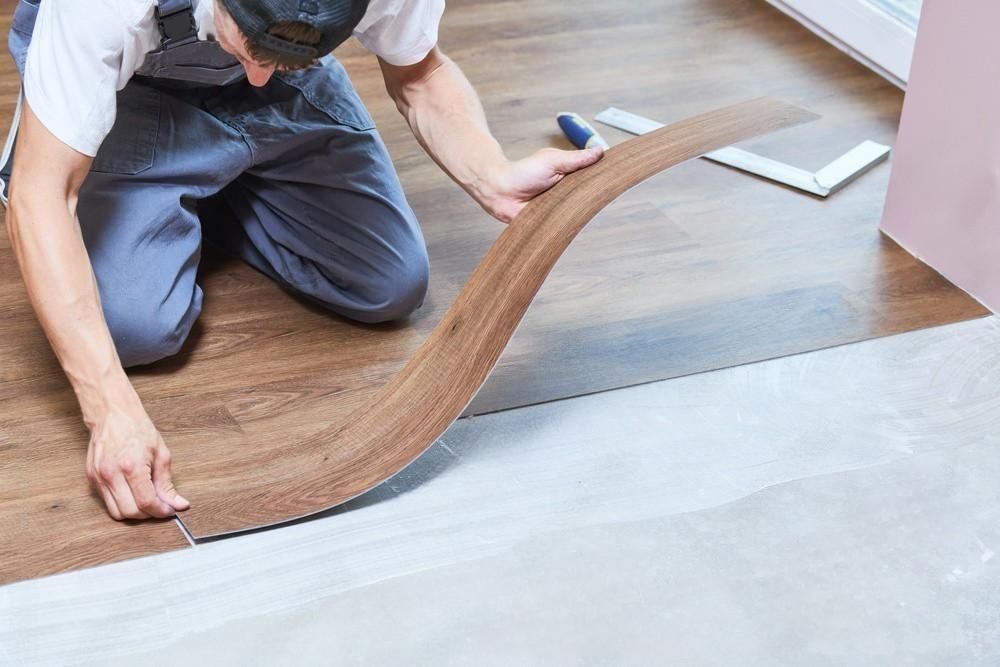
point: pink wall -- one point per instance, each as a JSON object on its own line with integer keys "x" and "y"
{"x": 944, "y": 193}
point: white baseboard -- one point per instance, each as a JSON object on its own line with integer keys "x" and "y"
{"x": 861, "y": 29}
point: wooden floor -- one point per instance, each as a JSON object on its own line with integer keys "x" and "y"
{"x": 710, "y": 269}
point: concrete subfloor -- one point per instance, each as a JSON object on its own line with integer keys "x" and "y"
{"x": 837, "y": 507}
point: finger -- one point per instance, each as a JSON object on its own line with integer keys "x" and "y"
{"x": 122, "y": 494}
{"x": 101, "y": 487}
{"x": 109, "y": 502}
{"x": 163, "y": 483}
{"x": 147, "y": 501}
{"x": 508, "y": 210}
{"x": 570, "y": 161}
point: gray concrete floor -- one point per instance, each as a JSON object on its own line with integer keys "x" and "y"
{"x": 838, "y": 507}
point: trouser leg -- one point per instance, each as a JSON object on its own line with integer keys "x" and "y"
{"x": 138, "y": 216}
{"x": 321, "y": 210}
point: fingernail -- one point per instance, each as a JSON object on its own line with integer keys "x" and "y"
{"x": 182, "y": 500}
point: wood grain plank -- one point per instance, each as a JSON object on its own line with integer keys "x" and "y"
{"x": 401, "y": 420}
{"x": 49, "y": 520}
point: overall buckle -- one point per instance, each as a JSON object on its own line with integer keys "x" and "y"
{"x": 177, "y": 27}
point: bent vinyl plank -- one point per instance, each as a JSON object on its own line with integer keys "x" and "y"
{"x": 402, "y": 419}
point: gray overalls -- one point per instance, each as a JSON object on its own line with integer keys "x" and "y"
{"x": 292, "y": 177}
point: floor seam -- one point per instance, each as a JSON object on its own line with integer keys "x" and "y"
{"x": 185, "y": 532}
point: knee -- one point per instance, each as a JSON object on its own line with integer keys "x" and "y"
{"x": 399, "y": 293}
{"x": 143, "y": 334}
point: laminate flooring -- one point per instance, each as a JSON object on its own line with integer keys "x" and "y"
{"x": 696, "y": 270}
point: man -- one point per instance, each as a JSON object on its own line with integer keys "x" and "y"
{"x": 145, "y": 123}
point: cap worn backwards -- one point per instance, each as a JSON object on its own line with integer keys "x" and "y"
{"x": 334, "y": 19}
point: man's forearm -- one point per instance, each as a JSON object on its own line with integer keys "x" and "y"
{"x": 60, "y": 283}
{"x": 447, "y": 118}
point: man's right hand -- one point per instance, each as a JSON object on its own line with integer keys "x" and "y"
{"x": 129, "y": 466}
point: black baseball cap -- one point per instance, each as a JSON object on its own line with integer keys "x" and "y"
{"x": 334, "y": 19}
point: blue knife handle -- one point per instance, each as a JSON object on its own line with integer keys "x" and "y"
{"x": 579, "y": 131}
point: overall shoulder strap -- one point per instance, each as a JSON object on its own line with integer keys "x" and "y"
{"x": 175, "y": 19}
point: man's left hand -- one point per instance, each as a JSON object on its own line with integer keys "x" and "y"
{"x": 517, "y": 182}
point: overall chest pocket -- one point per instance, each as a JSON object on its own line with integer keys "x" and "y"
{"x": 329, "y": 89}
{"x": 130, "y": 147}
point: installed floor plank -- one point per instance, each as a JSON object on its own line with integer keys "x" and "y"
{"x": 717, "y": 269}
{"x": 49, "y": 520}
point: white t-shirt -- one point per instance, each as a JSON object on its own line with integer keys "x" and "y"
{"x": 84, "y": 51}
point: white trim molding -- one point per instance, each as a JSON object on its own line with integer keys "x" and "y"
{"x": 860, "y": 28}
